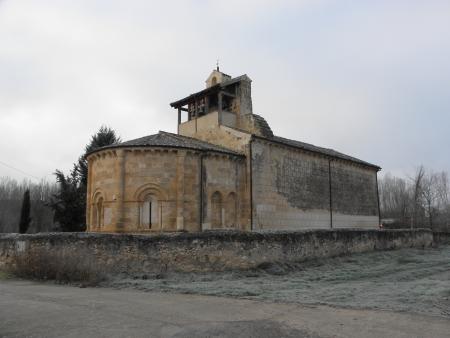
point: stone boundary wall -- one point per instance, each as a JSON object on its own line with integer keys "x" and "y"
{"x": 441, "y": 237}
{"x": 206, "y": 251}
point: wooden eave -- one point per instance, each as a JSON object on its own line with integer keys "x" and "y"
{"x": 191, "y": 98}
{"x": 211, "y": 90}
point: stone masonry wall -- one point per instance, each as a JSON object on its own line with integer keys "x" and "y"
{"x": 123, "y": 178}
{"x": 156, "y": 172}
{"x": 209, "y": 129}
{"x": 103, "y": 183}
{"x": 225, "y": 176}
{"x": 354, "y": 196}
{"x": 291, "y": 190}
{"x": 206, "y": 251}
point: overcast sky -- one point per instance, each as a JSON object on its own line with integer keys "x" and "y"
{"x": 367, "y": 78}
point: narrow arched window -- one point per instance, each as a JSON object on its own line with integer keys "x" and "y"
{"x": 98, "y": 213}
{"x": 230, "y": 210}
{"x": 216, "y": 210}
{"x": 213, "y": 81}
{"x": 149, "y": 213}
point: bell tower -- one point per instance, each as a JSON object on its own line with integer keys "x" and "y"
{"x": 223, "y": 95}
{"x": 226, "y": 101}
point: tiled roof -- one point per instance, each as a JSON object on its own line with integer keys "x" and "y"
{"x": 165, "y": 139}
{"x": 315, "y": 149}
{"x": 209, "y": 90}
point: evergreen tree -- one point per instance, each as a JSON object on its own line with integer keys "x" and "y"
{"x": 25, "y": 213}
{"x": 104, "y": 137}
{"x": 69, "y": 204}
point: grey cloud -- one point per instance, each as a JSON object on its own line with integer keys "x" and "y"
{"x": 358, "y": 77}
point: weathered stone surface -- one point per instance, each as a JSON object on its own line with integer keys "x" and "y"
{"x": 354, "y": 190}
{"x": 302, "y": 180}
{"x": 180, "y": 180}
{"x": 205, "y": 251}
{"x": 291, "y": 189}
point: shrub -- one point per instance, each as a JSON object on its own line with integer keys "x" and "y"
{"x": 63, "y": 268}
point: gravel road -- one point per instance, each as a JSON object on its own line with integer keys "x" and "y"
{"x": 29, "y": 309}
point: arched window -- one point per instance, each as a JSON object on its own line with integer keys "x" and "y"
{"x": 230, "y": 210}
{"x": 216, "y": 210}
{"x": 149, "y": 212}
{"x": 98, "y": 212}
{"x": 151, "y": 207}
{"x": 213, "y": 81}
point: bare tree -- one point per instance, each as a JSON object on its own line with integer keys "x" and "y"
{"x": 417, "y": 193}
{"x": 11, "y": 195}
{"x": 395, "y": 198}
{"x": 429, "y": 193}
{"x": 443, "y": 200}
{"x": 443, "y": 188}
{"x": 423, "y": 199}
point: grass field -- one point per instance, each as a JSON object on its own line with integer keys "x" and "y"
{"x": 411, "y": 280}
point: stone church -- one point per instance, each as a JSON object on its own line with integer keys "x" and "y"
{"x": 225, "y": 169}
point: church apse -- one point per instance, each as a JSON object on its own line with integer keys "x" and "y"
{"x": 166, "y": 183}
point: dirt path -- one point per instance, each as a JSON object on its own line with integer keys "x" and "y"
{"x": 29, "y": 309}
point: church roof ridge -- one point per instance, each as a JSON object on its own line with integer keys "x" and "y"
{"x": 169, "y": 140}
{"x": 316, "y": 149}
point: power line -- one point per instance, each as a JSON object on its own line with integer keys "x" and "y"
{"x": 21, "y": 171}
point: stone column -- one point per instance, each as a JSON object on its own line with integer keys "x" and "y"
{"x": 206, "y": 105}
{"x": 219, "y": 108}
{"x": 88, "y": 196}
{"x": 196, "y": 114}
{"x": 180, "y": 189}
{"x": 239, "y": 193}
{"x": 120, "y": 170}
